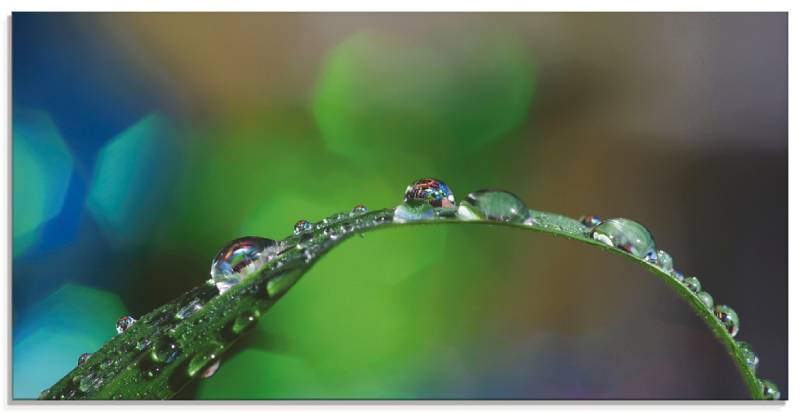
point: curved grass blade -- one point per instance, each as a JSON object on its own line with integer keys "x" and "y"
{"x": 172, "y": 345}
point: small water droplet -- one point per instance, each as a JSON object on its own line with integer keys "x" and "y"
{"x": 692, "y": 283}
{"x": 728, "y": 317}
{"x": 706, "y": 299}
{"x": 408, "y": 212}
{"x": 496, "y": 205}
{"x": 211, "y": 370}
{"x": 279, "y": 284}
{"x": 106, "y": 363}
{"x": 124, "y": 323}
{"x": 430, "y": 191}
{"x": 359, "y": 210}
{"x": 306, "y": 240}
{"x": 330, "y": 220}
{"x": 302, "y": 226}
{"x": 244, "y": 321}
{"x": 770, "y": 390}
{"x": 83, "y": 358}
{"x": 664, "y": 261}
{"x": 332, "y": 232}
{"x": 151, "y": 370}
{"x": 189, "y": 309}
{"x": 240, "y": 258}
{"x": 143, "y": 344}
{"x": 202, "y": 360}
{"x": 590, "y": 221}
{"x": 530, "y": 221}
{"x": 89, "y": 382}
{"x": 164, "y": 351}
{"x": 749, "y": 355}
{"x": 627, "y": 235}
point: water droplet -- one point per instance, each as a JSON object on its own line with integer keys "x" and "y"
{"x": 164, "y": 351}
{"x": 279, "y": 284}
{"x": 496, "y": 205}
{"x": 151, "y": 369}
{"x": 430, "y": 191}
{"x": 627, "y": 235}
{"x": 359, "y": 210}
{"x": 706, "y": 298}
{"x": 749, "y": 355}
{"x": 677, "y": 274}
{"x": 333, "y": 232}
{"x": 770, "y": 390}
{"x": 240, "y": 258}
{"x": 692, "y": 283}
{"x": 124, "y": 323}
{"x": 590, "y": 221}
{"x": 106, "y": 363}
{"x": 408, "y": 212}
{"x": 189, "y": 309}
{"x": 728, "y": 317}
{"x": 664, "y": 261}
{"x": 89, "y": 382}
{"x": 143, "y": 344}
{"x": 202, "y": 360}
{"x": 83, "y": 358}
{"x": 244, "y": 321}
{"x": 530, "y": 221}
{"x": 302, "y": 226}
{"x": 211, "y": 370}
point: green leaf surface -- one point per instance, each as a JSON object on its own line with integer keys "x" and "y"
{"x": 172, "y": 345}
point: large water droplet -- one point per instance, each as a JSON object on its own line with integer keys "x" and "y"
{"x": 240, "y": 258}
{"x": 770, "y": 390}
{"x": 627, "y": 235}
{"x": 749, "y": 355}
{"x": 408, "y": 212}
{"x": 83, "y": 358}
{"x": 692, "y": 283}
{"x": 496, "y": 205}
{"x": 728, "y": 317}
{"x": 124, "y": 323}
{"x": 430, "y": 191}
{"x": 706, "y": 299}
{"x": 302, "y": 226}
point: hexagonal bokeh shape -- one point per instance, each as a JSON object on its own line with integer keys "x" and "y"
{"x": 131, "y": 178}
{"x": 51, "y": 335}
{"x": 42, "y": 167}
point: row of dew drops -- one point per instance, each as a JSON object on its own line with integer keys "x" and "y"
{"x": 429, "y": 199}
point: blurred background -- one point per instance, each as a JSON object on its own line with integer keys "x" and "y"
{"x": 143, "y": 142}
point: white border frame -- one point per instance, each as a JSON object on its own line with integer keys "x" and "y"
{"x": 7, "y": 6}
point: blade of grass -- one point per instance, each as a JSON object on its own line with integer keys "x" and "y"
{"x": 164, "y": 351}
